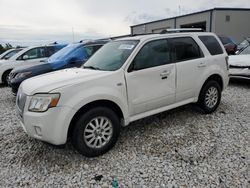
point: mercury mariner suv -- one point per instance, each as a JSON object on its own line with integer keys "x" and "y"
{"x": 126, "y": 80}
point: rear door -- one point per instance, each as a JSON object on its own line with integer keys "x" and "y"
{"x": 190, "y": 63}
{"x": 151, "y": 78}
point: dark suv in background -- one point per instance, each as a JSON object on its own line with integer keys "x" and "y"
{"x": 73, "y": 55}
{"x": 229, "y": 44}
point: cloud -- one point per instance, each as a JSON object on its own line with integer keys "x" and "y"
{"x": 30, "y": 21}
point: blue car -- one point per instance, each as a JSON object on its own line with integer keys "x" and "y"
{"x": 73, "y": 55}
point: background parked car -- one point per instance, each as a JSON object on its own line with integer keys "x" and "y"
{"x": 9, "y": 53}
{"x": 229, "y": 44}
{"x": 28, "y": 56}
{"x": 73, "y": 55}
{"x": 240, "y": 63}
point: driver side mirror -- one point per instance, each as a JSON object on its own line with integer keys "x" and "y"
{"x": 25, "y": 57}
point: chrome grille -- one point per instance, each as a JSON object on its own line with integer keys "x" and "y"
{"x": 21, "y": 99}
{"x": 239, "y": 67}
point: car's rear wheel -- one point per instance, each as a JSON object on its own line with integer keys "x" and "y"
{"x": 96, "y": 131}
{"x": 210, "y": 97}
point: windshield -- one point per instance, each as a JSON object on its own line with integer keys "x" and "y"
{"x": 10, "y": 54}
{"x": 111, "y": 56}
{"x": 246, "y": 51}
{"x": 63, "y": 53}
{"x": 244, "y": 44}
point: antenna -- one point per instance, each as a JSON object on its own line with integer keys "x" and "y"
{"x": 73, "y": 35}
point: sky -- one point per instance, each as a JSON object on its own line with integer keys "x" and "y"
{"x": 34, "y": 22}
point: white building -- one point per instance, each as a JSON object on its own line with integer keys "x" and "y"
{"x": 234, "y": 22}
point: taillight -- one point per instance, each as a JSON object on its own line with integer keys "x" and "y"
{"x": 226, "y": 58}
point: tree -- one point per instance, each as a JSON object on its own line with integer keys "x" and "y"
{"x": 1, "y": 49}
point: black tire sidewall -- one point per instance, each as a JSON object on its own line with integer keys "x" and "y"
{"x": 5, "y": 76}
{"x": 204, "y": 90}
{"x": 78, "y": 131}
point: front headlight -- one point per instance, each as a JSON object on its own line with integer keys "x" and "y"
{"x": 22, "y": 74}
{"x": 42, "y": 102}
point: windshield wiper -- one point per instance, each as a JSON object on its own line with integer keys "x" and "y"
{"x": 91, "y": 67}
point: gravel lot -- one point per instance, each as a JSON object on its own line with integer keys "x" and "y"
{"x": 179, "y": 148}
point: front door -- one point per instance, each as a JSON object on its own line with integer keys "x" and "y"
{"x": 151, "y": 78}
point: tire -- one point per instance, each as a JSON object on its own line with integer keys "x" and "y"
{"x": 5, "y": 77}
{"x": 83, "y": 132}
{"x": 210, "y": 97}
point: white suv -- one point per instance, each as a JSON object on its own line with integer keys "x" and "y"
{"x": 126, "y": 80}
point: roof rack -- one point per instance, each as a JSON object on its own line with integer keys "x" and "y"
{"x": 133, "y": 35}
{"x": 94, "y": 40}
{"x": 181, "y": 30}
{"x": 53, "y": 43}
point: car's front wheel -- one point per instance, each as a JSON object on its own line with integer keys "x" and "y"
{"x": 96, "y": 131}
{"x": 210, "y": 97}
{"x": 5, "y": 76}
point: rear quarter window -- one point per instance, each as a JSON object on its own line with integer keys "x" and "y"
{"x": 185, "y": 48}
{"x": 211, "y": 44}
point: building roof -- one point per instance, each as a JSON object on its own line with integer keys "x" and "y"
{"x": 199, "y": 12}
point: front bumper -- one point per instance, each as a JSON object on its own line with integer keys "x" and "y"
{"x": 15, "y": 83}
{"x": 239, "y": 73}
{"x": 50, "y": 126}
{"x": 14, "y": 87}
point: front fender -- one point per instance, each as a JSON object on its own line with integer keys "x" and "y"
{"x": 79, "y": 99}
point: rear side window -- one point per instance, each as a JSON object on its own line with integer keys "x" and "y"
{"x": 212, "y": 44}
{"x": 185, "y": 48}
{"x": 152, "y": 54}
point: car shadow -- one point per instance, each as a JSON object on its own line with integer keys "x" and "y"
{"x": 3, "y": 85}
{"x": 240, "y": 82}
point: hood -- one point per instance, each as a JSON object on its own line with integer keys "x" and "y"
{"x": 54, "y": 80}
{"x": 239, "y": 60}
{"x": 28, "y": 68}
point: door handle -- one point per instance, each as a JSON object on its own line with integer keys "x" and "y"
{"x": 202, "y": 65}
{"x": 165, "y": 74}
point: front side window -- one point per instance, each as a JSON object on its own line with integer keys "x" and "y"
{"x": 211, "y": 44}
{"x": 152, "y": 54}
{"x": 185, "y": 48}
{"x": 50, "y": 51}
{"x": 34, "y": 53}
